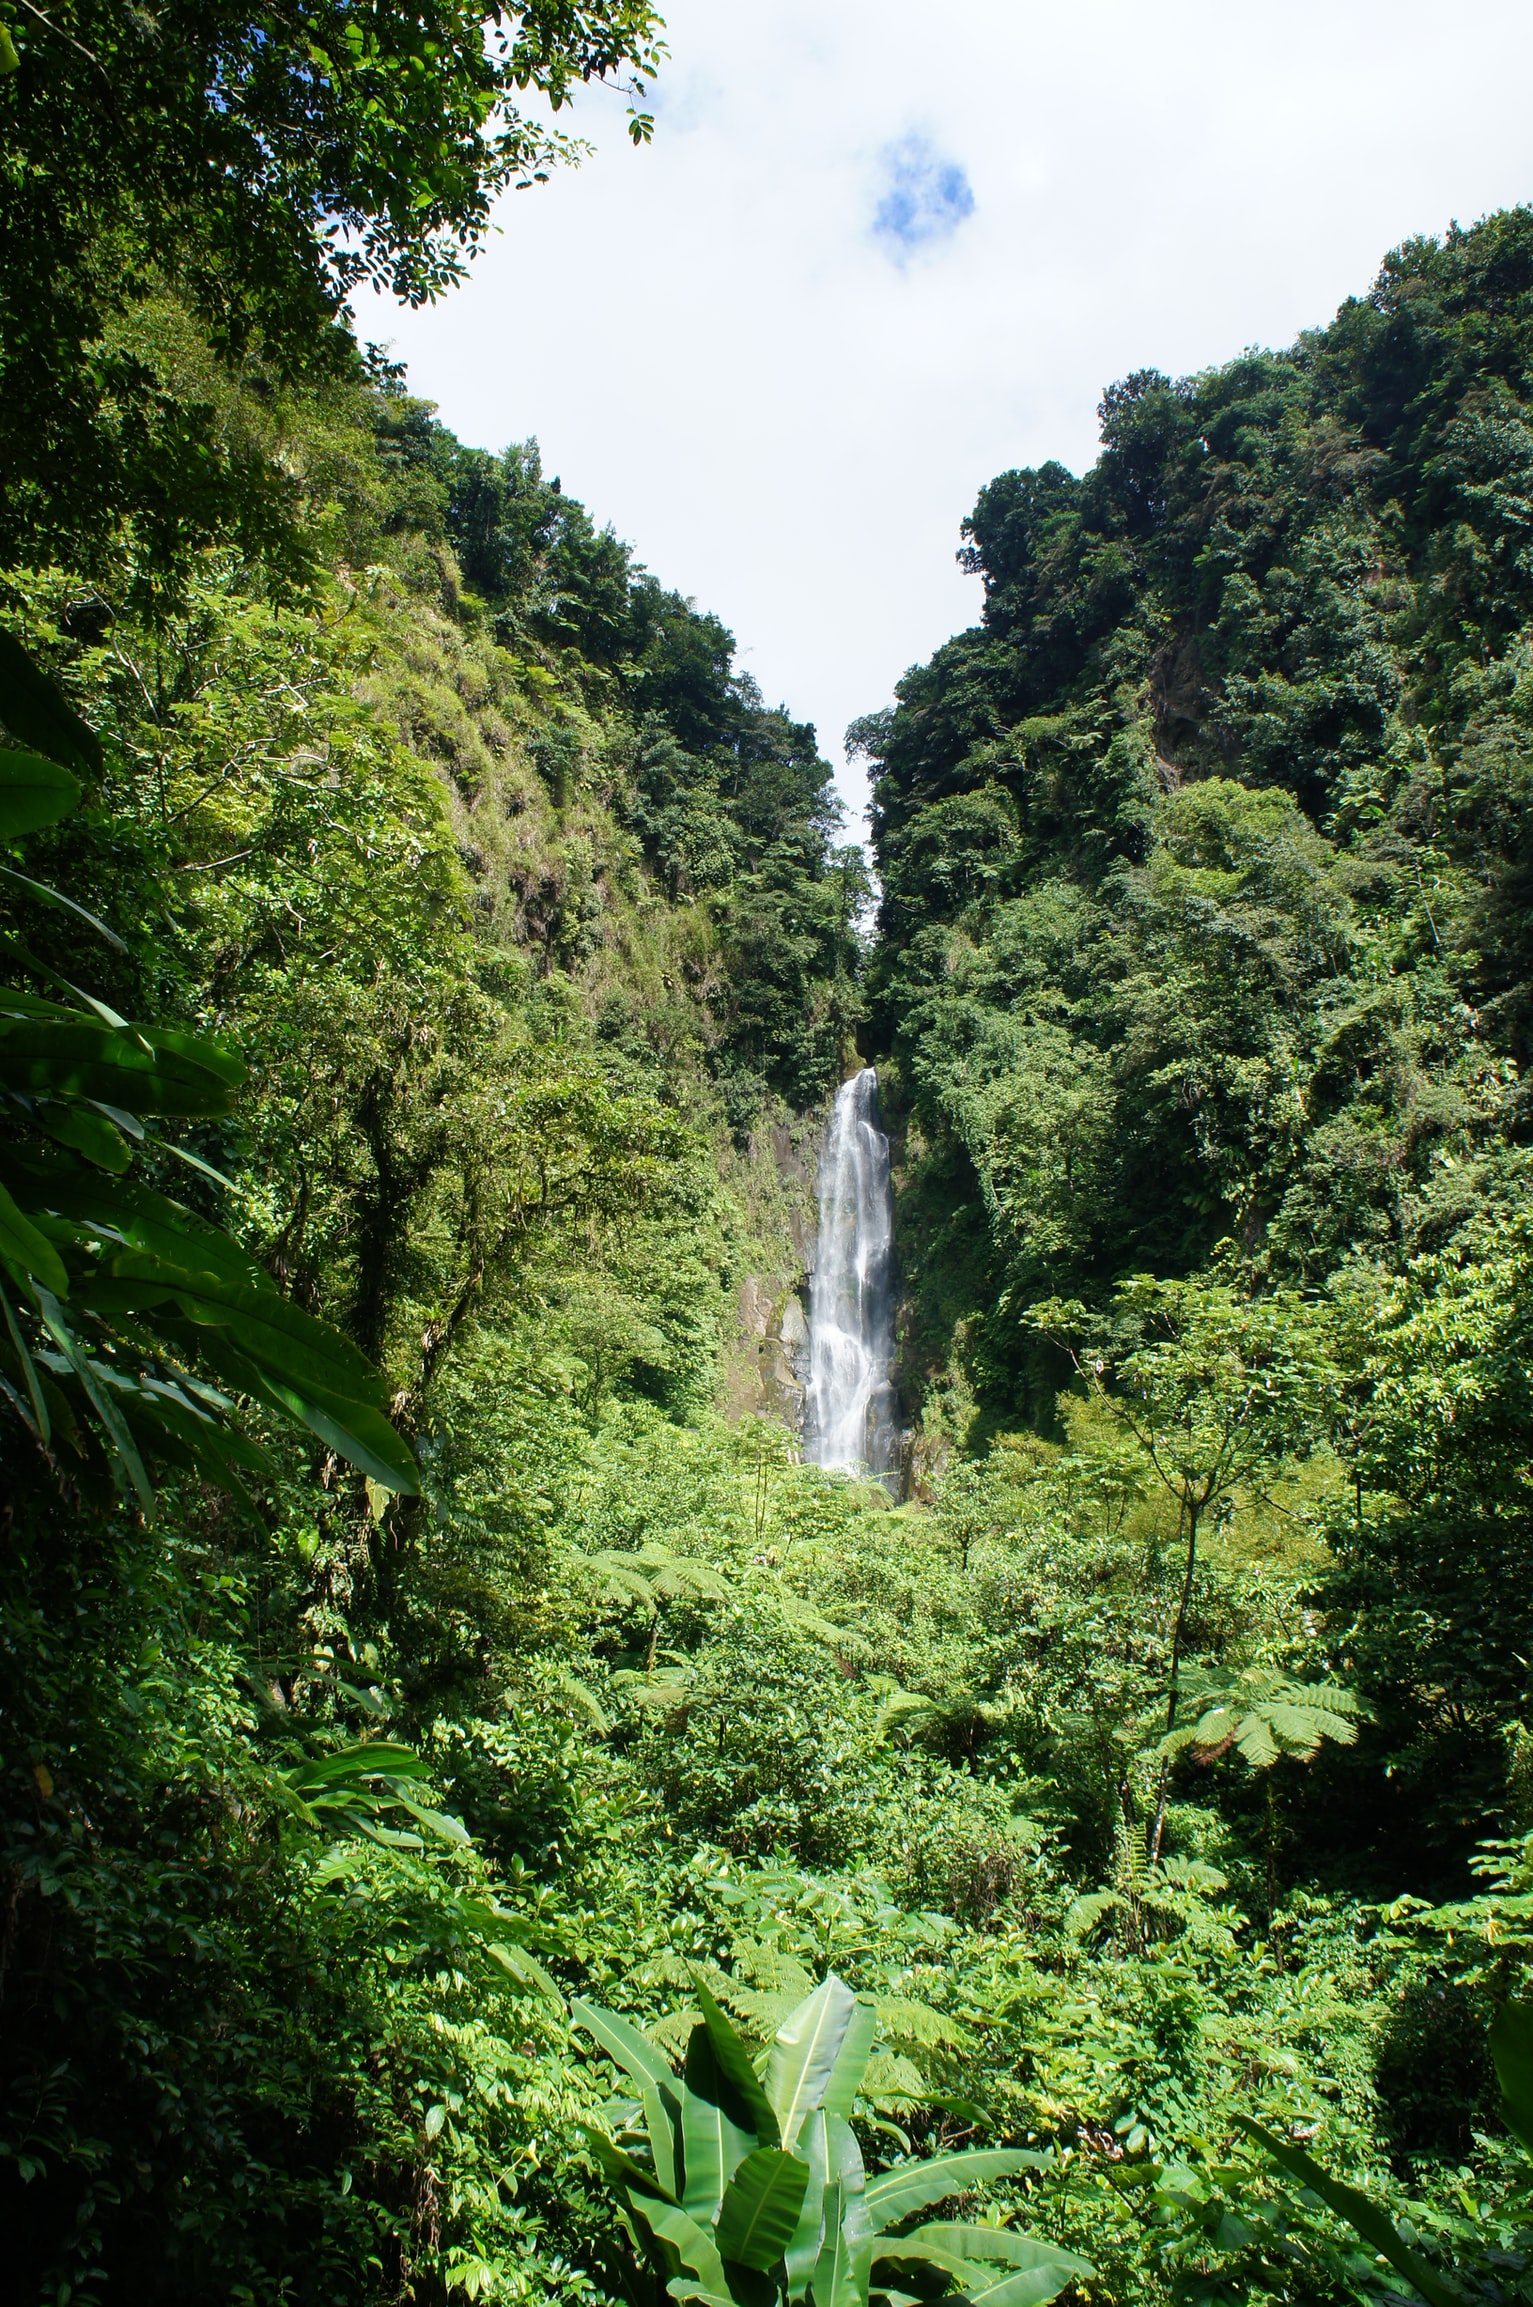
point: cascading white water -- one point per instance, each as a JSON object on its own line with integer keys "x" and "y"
{"x": 849, "y": 1409}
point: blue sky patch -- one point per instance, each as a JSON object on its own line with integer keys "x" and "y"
{"x": 925, "y": 197}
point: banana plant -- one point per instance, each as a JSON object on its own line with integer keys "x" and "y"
{"x": 754, "y": 2192}
{"x": 124, "y": 1317}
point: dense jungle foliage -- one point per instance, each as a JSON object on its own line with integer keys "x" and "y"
{"x": 477, "y": 1821}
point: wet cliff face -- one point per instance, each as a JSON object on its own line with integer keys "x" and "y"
{"x": 773, "y": 1350}
{"x": 766, "y": 1361}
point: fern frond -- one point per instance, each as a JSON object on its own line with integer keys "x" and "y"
{"x": 903, "y": 1708}
{"x": 893, "y": 2081}
{"x": 902, "y": 2021}
{"x": 1264, "y": 1716}
{"x": 1088, "y": 1911}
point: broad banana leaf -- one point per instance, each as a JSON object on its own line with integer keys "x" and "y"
{"x": 970, "y": 2242}
{"x": 145, "y": 1070}
{"x": 761, "y": 2207}
{"x": 693, "y": 2244}
{"x": 716, "y": 2132}
{"x": 803, "y": 2057}
{"x": 1029, "y": 2287}
{"x": 652, "y": 2071}
{"x": 33, "y": 792}
{"x": 842, "y": 2270}
{"x": 911, "y": 2186}
{"x": 735, "y": 2062}
{"x": 802, "y": 2252}
{"x": 1032, "y": 2272}
{"x": 624, "y": 2045}
{"x": 38, "y": 714}
{"x": 87, "y": 1247}
{"x": 620, "y": 2167}
{"x": 840, "y": 2093}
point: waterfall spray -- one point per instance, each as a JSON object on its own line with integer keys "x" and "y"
{"x": 849, "y": 1411}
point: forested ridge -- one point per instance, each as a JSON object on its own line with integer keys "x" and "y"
{"x": 481, "y": 1819}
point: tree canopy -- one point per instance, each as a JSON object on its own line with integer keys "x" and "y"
{"x": 264, "y": 163}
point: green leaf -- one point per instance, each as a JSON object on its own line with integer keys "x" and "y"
{"x": 761, "y": 2207}
{"x": 196, "y": 1054}
{"x": 194, "y": 1162}
{"x": 735, "y": 2062}
{"x": 212, "y": 1448}
{"x": 1029, "y": 2287}
{"x": 355, "y": 1763}
{"x": 653, "y": 2073}
{"x": 804, "y": 2246}
{"x": 619, "y": 2167}
{"x": 1511, "y": 2046}
{"x": 845, "y": 2168}
{"x": 714, "y": 2141}
{"x": 35, "y": 709}
{"x": 662, "y": 2120}
{"x": 362, "y": 1436}
{"x": 84, "y": 1132}
{"x": 57, "y": 902}
{"x": 29, "y": 1370}
{"x": 518, "y": 1964}
{"x": 1362, "y": 2214}
{"x": 33, "y": 792}
{"x": 120, "y": 1440}
{"x": 804, "y": 2055}
{"x": 851, "y": 2061}
{"x": 439, "y": 1823}
{"x": 50, "y": 1057}
{"x": 165, "y": 1232}
{"x": 846, "y": 2253}
{"x": 29, "y": 1250}
{"x": 898, "y": 2258}
{"x": 965, "y": 2241}
{"x": 845, "y": 2261}
{"x": 910, "y": 2186}
{"x": 693, "y": 2245}
{"x": 623, "y": 2043}
{"x": 301, "y": 1351}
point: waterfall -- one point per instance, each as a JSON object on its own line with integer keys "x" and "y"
{"x": 849, "y": 1411}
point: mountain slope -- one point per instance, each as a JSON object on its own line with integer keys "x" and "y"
{"x": 1206, "y": 854}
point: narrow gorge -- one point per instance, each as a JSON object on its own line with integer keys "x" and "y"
{"x": 610, "y": 1693}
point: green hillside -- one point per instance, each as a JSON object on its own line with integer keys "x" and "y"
{"x": 1204, "y": 855}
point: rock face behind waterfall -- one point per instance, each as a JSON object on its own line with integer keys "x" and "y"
{"x": 851, "y": 1409}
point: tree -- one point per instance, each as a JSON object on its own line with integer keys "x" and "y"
{"x": 1221, "y": 1393}
{"x": 265, "y": 162}
{"x": 130, "y": 1313}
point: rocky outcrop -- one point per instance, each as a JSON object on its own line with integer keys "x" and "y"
{"x": 774, "y": 1350}
{"x": 766, "y": 1363}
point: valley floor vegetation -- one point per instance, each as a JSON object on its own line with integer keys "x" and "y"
{"x": 477, "y": 1822}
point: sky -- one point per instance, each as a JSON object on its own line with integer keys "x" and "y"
{"x": 878, "y": 252}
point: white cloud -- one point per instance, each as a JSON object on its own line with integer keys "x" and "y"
{"x": 717, "y": 355}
